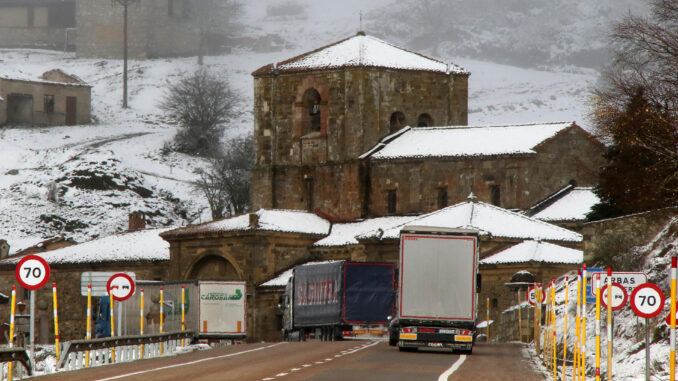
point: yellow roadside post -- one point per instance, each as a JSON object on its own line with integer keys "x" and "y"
{"x": 672, "y": 360}
{"x": 537, "y": 318}
{"x": 547, "y": 327}
{"x": 141, "y": 323}
{"x": 88, "y": 334}
{"x": 582, "y": 365}
{"x": 575, "y": 371}
{"x": 609, "y": 323}
{"x": 553, "y": 328}
{"x": 110, "y": 297}
{"x": 11, "y": 330}
{"x": 183, "y": 313}
{"x": 596, "y": 282}
{"x": 56, "y": 322}
{"x": 567, "y": 291}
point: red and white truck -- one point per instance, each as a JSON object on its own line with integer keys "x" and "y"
{"x": 437, "y": 293}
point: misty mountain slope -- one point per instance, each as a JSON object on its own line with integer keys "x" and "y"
{"x": 527, "y": 33}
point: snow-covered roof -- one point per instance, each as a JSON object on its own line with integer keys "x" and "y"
{"x": 464, "y": 141}
{"x": 535, "y": 251}
{"x": 573, "y": 206}
{"x": 289, "y": 221}
{"x": 360, "y": 51}
{"x": 282, "y": 279}
{"x": 140, "y": 245}
{"x": 346, "y": 233}
{"x": 34, "y": 80}
{"x": 488, "y": 219}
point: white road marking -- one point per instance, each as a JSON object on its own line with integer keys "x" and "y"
{"x": 306, "y": 365}
{"x": 319, "y": 362}
{"x": 189, "y": 363}
{"x": 452, "y": 369}
{"x": 295, "y": 369}
{"x": 281, "y": 374}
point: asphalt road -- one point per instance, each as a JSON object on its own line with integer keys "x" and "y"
{"x": 327, "y": 361}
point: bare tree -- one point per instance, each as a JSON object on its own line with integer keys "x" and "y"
{"x": 201, "y": 103}
{"x": 226, "y": 182}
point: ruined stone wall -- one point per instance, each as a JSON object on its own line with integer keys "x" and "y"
{"x": 36, "y": 25}
{"x": 356, "y": 109}
{"x": 152, "y": 32}
{"x": 72, "y": 306}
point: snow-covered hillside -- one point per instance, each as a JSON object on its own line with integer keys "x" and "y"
{"x": 103, "y": 171}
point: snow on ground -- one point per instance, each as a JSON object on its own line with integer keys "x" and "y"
{"x": 120, "y": 159}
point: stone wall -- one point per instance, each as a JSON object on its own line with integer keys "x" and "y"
{"x": 356, "y": 108}
{"x": 152, "y": 31}
{"x": 523, "y": 180}
{"x": 38, "y": 90}
{"x": 72, "y": 306}
{"x": 638, "y": 229}
{"x": 37, "y": 24}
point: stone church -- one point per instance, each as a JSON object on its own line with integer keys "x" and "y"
{"x": 320, "y": 120}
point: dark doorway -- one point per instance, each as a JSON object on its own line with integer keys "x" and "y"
{"x": 19, "y": 109}
{"x": 71, "y": 111}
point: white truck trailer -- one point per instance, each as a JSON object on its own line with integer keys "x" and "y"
{"x": 439, "y": 282}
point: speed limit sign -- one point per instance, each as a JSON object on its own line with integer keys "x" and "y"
{"x": 532, "y": 295}
{"x": 32, "y": 272}
{"x": 647, "y": 300}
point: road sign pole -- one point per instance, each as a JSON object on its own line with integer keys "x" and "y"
{"x": 183, "y": 312}
{"x": 111, "y": 301}
{"x": 31, "y": 329}
{"x": 672, "y": 362}
{"x": 162, "y": 302}
{"x": 520, "y": 320}
{"x": 553, "y": 327}
{"x": 647, "y": 349}
{"x": 597, "y": 284}
{"x": 537, "y": 318}
{"x": 609, "y": 323}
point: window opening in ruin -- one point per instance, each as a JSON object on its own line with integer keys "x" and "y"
{"x": 309, "y": 193}
{"x": 391, "y": 201}
{"x": 397, "y": 121}
{"x": 424, "y": 120}
{"x": 494, "y": 303}
{"x": 495, "y": 195}
{"x": 442, "y": 198}
{"x": 310, "y": 118}
{"x": 49, "y": 104}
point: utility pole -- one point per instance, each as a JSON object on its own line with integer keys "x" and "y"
{"x": 125, "y": 4}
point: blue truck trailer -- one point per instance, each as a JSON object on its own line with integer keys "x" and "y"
{"x": 339, "y": 300}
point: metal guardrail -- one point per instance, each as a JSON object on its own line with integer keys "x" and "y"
{"x": 19, "y": 354}
{"x": 101, "y": 350}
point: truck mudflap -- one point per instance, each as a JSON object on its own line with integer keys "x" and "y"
{"x": 365, "y": 332}
{"x": 436, "y": 337}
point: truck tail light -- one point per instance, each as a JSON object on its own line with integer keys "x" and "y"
{"x": 348, "y": 333}
{"x": 465, "y": 332}
{"x": 408, "y": 330}
{"x": 427, "y": 330}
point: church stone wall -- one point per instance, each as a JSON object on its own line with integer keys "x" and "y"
{"x": 356, "y": 108}
{"x": 522, "y": 180}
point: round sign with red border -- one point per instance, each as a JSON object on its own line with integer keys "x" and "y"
{"x": 121, "y": 286}
{"x": 532, "y": 295}
{"x": 647, "y": 300}
{"x": 32, "y": 272}
{"x": 619, "y": 296}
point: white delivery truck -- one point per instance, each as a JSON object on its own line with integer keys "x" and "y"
{"x": 439, "y": 282}
{"x": 214, "y": 310}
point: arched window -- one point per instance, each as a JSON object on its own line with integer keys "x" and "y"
{"x": 310, "y": 116}
{"x": 424, "y": 120}
{"x": 397, "y": 121}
